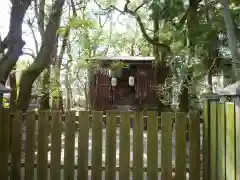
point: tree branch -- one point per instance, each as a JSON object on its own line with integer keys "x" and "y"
{"x": 29, "y": 54}
{"x": 184, "y": 17}
{"x": 39, "y": 10}
{"x": 143, "y": 30}
{"x": 140, "y": 23}
{"x": 43, "y": 58}
{"x": 65, "y": 37}
{"x": 33, "y": 34}
{"x": 13, "y": 41}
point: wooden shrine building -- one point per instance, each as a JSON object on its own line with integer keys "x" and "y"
{"x": 121, "y": 83}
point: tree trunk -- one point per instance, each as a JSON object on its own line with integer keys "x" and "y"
{"x": 209, "y": 81}
{"x": 232, "y": 40}
{"x": 45, "y": 84}
{"x": 43, "y": 57}
{"x": 45, "y": 99}
{"x": 210, "y": 61}
{"x": 161, "y": 69}
{"x": 87, "y": 95}
{"x": 184, "y": 98}
{"x": 58, "y": 102}
{"x": 68, "y": 88}
{"x": 13, "y": 42}
{"x": 44, "y": 102}
{"x": 192, "y": 23}
{"x": 13, "y": 86}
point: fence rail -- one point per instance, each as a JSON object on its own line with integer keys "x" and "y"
{"x": 159, "y": 146}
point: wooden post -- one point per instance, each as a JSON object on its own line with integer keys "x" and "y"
{"x": 124, "y": 158}
{"x": 236, "y": 99}
{"x": 110, "y": 173}
{"x": 230, "y": 142}
{"x": 221, "y": 145}
{"x": 4, "y": 142}
{"x": 206, "y": 148}
{"x": 213, "y": 141}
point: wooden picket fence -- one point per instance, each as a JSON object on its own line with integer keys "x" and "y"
{"x": 222, "y": 140}
{"x": 185, "y": 165}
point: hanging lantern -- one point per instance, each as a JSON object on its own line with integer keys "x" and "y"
{"x": 131, "y": 81}
{"x": 113, "y": 82}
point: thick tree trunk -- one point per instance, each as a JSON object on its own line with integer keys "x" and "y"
{"x": 232, "y": 40}
{"x": 209, "y": 80}
{"x": 161, "y": 69}
{"x": 13, "y": 86}
{"x": 43, "y": 58}
{"x": 13, "y": 42}
{"x": 58, "y": 102}
{"x": 210, "y": 61}
{"x": 44, "y": 102}
{"x": 87, "y": 95}
{"x": 45, "y": 84}
{"x": 192, "y": 23}
{"x": 184, "y": 98}
{"x": 45, "y": 99}
{"x": 68, "y": 88}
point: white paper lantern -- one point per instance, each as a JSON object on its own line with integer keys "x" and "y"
{"x": 114, "y": 82}
{"x": 131, "y": 81}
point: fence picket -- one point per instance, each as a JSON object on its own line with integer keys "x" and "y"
{"x": 111, "y": 146}
{"x": 30, "y": 145}
{"x": 194, "y": 142}
{"x": 152, "y": 145}
{"x": 70, "y": 128}
{"x": 4, "y": 142}
{"x": 180, "y": 136}
{"x": 96, "y": 145}
{"x": 56, "y": 130}
{"x": 206, "y": 136}
{"x": 237, "y": 131}
{"x": 16, "y": 146}
{"x": 83, "y": 145}
{"x": 166, "y": 146}
{"x": 138, "y": 146}
{"x": 230, "y": 142}
{"x": 221, "y": 142}
{"x": 213, "y": 138}
{"x": 124, "y": 159}
{"x": 42, "y": 145}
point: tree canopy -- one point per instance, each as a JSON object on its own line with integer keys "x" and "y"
{"x": 195, "y": 44}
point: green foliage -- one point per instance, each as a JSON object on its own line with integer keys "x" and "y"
{"x": 166, "y": 10}
{"x": 114, "y": 33}
{"x": 118, "y": 65}
{"x": 76, "y": 23}
{"x": 5, "y": 102}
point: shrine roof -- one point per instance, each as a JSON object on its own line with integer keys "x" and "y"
{"x": 123, "y": 58}
{"x": 4, "y": 89}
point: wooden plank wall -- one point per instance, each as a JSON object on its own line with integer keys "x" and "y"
{"x": 160, "y": 162}
{"x": 102, "y": 90}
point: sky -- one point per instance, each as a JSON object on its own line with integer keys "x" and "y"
{"x": 27, "y": 36}
{"x": 5, "y": 9}
{"x": 4, "y": 17}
